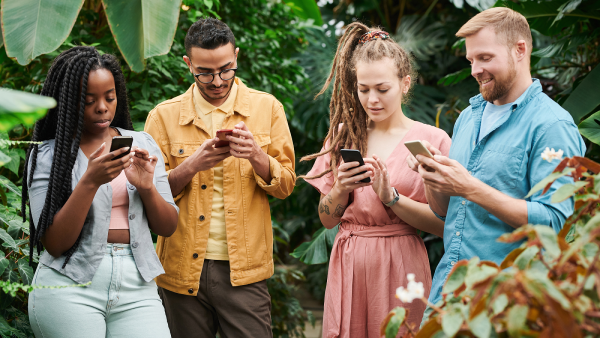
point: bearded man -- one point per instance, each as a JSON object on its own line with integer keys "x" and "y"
{"x": 496, "y": 153}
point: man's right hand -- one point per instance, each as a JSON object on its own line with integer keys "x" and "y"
{"x": 413, "y": 163}
{"x": 207, "y": 156}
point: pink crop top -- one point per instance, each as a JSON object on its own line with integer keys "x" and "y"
{"x": 120, "y": 203}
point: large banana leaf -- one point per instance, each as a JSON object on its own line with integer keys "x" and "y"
{"x": 18, "y": 107}
{"x": 35, "y": 27}
{"x": 1, "y": 39}
{"x": 585, "y": 97}
{"x": 307, "y": 9}
{"x": 318, "y": 249}
{"x": 142, "y": 28}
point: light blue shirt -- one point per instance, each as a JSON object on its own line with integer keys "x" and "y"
{"x": 491, "y": 114}
{"x": 509, "y": 159}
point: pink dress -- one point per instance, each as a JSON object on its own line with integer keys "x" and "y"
{"x": 374, "y": 249}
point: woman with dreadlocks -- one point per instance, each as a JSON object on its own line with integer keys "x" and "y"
{"x": 377, "y": 245}
{"x": 93, "y": 212}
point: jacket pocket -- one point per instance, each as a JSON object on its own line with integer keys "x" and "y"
{"x": 181, "y": 151}
{"x": 263, "y": 141}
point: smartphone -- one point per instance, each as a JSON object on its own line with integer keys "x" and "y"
{"x": 352, "y": 155}
{"x": 223, "y": 142}
{"x": 418, "y": 148}
{"x": 119, "y": 142}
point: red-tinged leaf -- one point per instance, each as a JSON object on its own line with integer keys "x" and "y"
{"x": 516, "y": 235}
{"x": 478, "y": 308}
{"x": 591, "y": 165}
{"x": 429, "y": 329}
{"x": 456, "y": 278}
{"x": 565, "y": 230}
{"x": 547, "y": 182}
{"x": 510, "y": 259}
{"x": 490, "y": 263}
{"x": 385, "y": 323}
{"x": 395, "y": 322}
{"x": 562, "y": 165}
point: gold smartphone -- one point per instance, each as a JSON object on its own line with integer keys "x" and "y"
{"x": 417, "y": 148}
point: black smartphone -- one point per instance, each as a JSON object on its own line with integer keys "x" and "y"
{"x": 352, "y": 155}
{"x": 119, "y": 142}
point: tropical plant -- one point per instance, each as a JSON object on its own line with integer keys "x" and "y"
{"x": 548, "y": 287}
{"x": 142, "y": 29}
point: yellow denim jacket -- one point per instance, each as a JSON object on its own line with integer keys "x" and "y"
{"x": 179, "y": 132}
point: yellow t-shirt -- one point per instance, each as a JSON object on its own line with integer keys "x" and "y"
{"x": 213, "y": 119}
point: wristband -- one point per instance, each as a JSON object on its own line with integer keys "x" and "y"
{"x": 396, "y": 198}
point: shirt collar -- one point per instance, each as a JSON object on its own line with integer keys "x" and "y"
{"x": 204, "y": 107}
{"x": 187, "y": 111}
{"x": 531, "y": 91}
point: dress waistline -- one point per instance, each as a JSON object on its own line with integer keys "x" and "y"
{"x": 388, "y": 230}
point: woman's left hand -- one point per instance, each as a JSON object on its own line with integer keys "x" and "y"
{"x": 141, "y": 172}
{"x": 381, "y": 180}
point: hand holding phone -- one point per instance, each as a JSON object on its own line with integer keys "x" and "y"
{"x": 222, "y": 135}
{"x": 352, "y": 155}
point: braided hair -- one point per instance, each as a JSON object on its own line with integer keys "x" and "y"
{"x": 345, "y": 107}
{"x": 67, "y": 82}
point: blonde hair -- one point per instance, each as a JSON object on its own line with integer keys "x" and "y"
{"x": 510, "y": 26}
{"x": 345, "y": 108}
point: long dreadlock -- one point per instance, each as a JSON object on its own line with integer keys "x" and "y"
{"x": 345, "y": 108}
{"x": 67, "y": 82}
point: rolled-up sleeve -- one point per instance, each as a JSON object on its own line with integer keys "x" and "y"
{"x": 562, "y": 135}
{"x": 160, "y": 174}
{"x": 281, "y": 158}
{"x": 38, "y": 187}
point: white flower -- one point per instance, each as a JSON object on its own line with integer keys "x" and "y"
{"x": 185, "y": 8}
{"x": 550, "y": 154}
{"x": 414, "y": 290}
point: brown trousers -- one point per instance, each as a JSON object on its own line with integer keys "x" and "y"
{"x": 240, "y": 311}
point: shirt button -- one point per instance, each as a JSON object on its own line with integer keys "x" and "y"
{"x": 203, "y": 186}
{"x": 463, "y": 202}
{"x": 195, "y": 255}
{"x": 181, "y": 152}
{"x": 470, "y": 173}
{"x": 458, "y": 233}
{"x": 191, "y": 291}
{"x": 201, "y": 217}
{"x": 134, "y": 245}
{"x": 453, "y": 262}
{"x": 132, "y": 216}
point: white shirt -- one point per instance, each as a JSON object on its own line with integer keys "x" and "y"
{"x": 491, "y": 115}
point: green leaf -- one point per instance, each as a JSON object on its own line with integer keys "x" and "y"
{"x": 481, "y": 326}
{"x": 550, "y": 178}
{"x": 3, "y": 264}
{"x": 25, "y": 271}
{"x": 590, "y": 128}
{"x": 566, "y": 191}
{"x": 584, "y": 98}
{"x": 500, "y": 304}
{"x": 517, "y": 316}
{"x": 13, "y": 165}
{"x": 452, "y": 321}
{"x": 549, "y": 240}
{"x": 455, "y": 78}
{"x": 307, "y": 9}
{"x": 315, "y": 251}
{"x": 9, "y": 242}
{"x": 393, "y": 326}
{"x": 479, "y": 273}
{"x": 17, "y": 107}
{"x": 456, "y": 279}
{"x": 539, "y": 283}
{"x": 4, "y": 159}
{"x": 523, "y": 260}
{"x": 10, "y": 274}
{"x": 142, "y": 28}
{"x": 35, "y": 27}
{"x": 5, "y": 182}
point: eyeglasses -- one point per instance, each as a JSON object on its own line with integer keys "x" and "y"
{"x": 206, "y": 78}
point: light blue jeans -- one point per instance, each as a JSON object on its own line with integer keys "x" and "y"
{"x": 119, "y": 303}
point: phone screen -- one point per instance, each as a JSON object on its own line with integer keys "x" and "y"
{"x": 352, "y": 155}
{"x": 119, "y": 142}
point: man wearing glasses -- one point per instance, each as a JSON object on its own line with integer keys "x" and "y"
{"x": 217, "y": 262}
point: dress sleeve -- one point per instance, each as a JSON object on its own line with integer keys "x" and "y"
{"x": 324, "y": 183}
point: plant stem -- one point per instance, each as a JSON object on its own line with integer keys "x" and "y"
{"x": 433, "y": 306}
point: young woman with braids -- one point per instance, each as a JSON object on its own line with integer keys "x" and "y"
{"x": 93, "y": 213}
{"x": 377, "y": 244}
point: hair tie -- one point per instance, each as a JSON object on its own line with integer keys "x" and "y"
{"x": 374, "y": 35}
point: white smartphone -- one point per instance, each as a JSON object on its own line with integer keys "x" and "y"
{"x": 417, "y": 148}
